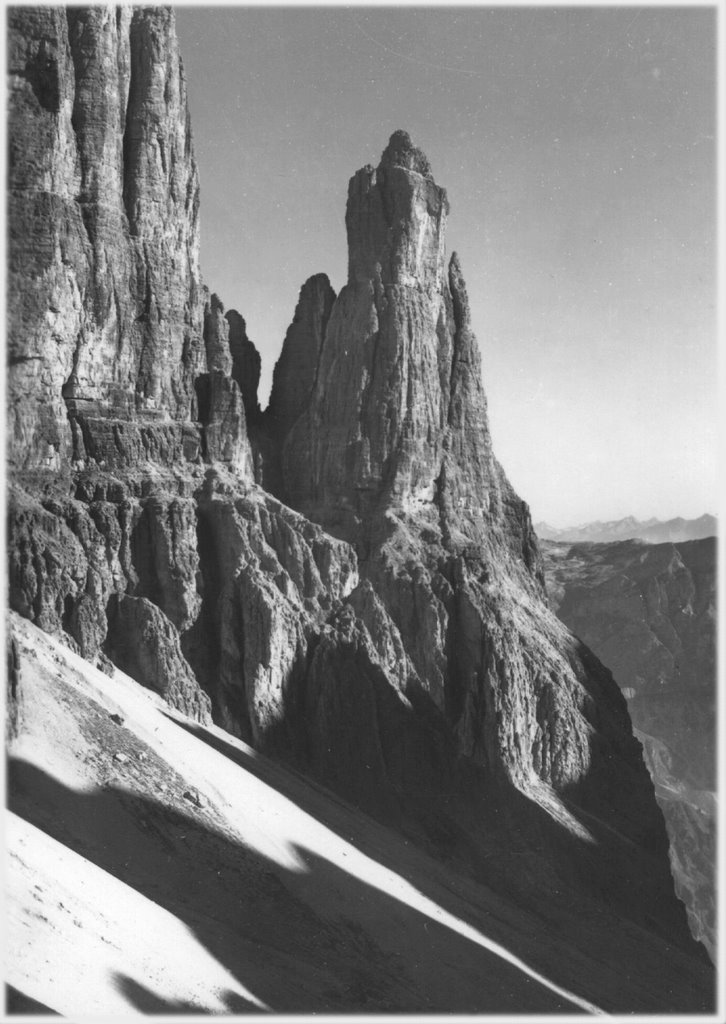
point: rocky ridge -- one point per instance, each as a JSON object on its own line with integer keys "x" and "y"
{"x": 347, "y": 580}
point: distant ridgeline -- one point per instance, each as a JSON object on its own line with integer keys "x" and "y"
{"x": 651, "y": 530}
{"x": 347, "y": 580}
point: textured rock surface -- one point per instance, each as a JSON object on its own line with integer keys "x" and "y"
{"x": 394, "y": 454}
{"x": 90, "y": 570}
{"x": 649, "y": 611}
{"x": 268, "y": 578}
{"x": 691, "y": 821}
{"x": 104, "y": 310}
{"x": 390, "y": 634}
{"x": 145, "y": 645}
{"x": 216, "y": 336}
{"x": 222, "y": 411}
{"x": 119, "y": 360}
{"x": 297, "y": 368}
{"x": 293, "y": 379}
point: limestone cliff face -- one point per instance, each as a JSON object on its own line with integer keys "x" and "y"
{"x": 394, "y": 454}
{"x": 379, "y": 618}
{"x": 105, "y": 307}
{"x": 398, "y": 413}
{"x": 119, "y": 384}
{"x": 373, "y": 401}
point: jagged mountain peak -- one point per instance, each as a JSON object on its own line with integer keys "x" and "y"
{"x": 396, "y": 220}
{"x": 315, "y": 281}
{"x": 296, "y": 370}
{"x": 396, "y": 416}
{"x": 459, "y": 293}
{"x": 401, "y": 152}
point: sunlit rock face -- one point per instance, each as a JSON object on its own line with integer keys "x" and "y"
{"x": 379, "y": 419}
{"x": 119, "y": 385}
{"x": 394, "y": 454}
{"x": 359, "y": 590}
{"x": 105, "y": 309}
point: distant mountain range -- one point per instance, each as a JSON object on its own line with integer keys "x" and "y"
{"x": 654, "y": 531}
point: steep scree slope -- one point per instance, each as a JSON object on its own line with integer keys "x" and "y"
{"x": 166, "y": 867}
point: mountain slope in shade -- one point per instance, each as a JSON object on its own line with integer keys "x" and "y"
{"x": 651, "y": 530}
{"x": 164, "y": 866}
{"x": 649, "y": 611}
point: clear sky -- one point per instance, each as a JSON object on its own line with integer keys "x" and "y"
{"x": 577, "y": 146}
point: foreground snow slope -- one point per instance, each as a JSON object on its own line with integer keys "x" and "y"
{"x": 155, "y": 865}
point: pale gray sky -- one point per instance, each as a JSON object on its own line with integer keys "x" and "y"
{"x": 577, "y": 147}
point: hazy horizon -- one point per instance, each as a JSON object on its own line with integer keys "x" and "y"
{"x": 577, "y": 148}
{"x": 649, "y": 519}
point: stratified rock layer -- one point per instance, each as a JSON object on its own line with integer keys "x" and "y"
{"x": 119, "y": 386}
{"x": 104, "y": 310}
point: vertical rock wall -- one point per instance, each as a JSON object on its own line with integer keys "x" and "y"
{"x": 393, "y": 453}
{"x": 105, "y": 305}
{"x": 119, "y": 389}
